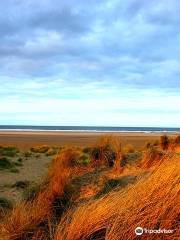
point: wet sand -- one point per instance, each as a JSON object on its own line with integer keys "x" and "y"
{"x": 25, "y": 140}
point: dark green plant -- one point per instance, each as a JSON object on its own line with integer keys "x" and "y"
{"x": 83, "y": 159}
{"x": 8, "y": 151}
{"x": 5, "y": 203}
{"x": 5, "y": 163}
{"x": 130, "y": 158}
{"x": 114, "y": 183}
{"x": 21, "y": 184}
{"x": 19, "y": 159}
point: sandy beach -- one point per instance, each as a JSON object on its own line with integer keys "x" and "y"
{"x": 25, "y": 139}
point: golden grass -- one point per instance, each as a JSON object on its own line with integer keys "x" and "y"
{"x": 152, "y": 157}
{"x": 128, "y": 148}
{"x": 25, "y": 219}
{"x": 107, "y": 151}
{"x": 40, "y": 149}
{"x": 151, "y": 203}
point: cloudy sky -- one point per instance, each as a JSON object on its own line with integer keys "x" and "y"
{"x": 77, "y": 62}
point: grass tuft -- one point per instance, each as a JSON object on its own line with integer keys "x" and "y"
{"x": 8, "y": 151}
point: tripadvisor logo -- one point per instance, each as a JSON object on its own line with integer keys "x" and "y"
{"x": 139, "y": 231}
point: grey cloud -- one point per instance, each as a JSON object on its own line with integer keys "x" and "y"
{"x": 86, "y": 40}
{"x": 61, "y": 20}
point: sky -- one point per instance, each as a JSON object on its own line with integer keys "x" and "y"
{"x": 91, "y": 63}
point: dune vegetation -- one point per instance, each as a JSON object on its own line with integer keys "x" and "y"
{"x": 101, "y": 192}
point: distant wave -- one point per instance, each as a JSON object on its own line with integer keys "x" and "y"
{"x": 88, "y": 129}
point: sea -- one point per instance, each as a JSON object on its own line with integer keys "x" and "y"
{"x": 89, "y": 129}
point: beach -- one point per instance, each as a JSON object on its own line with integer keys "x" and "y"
{"x": 34, "y": 170}
{"x": 27, "y": 139}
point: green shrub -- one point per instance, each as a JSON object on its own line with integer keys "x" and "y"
{"x": 114, "y": 183}
{"x": 5, "y": 203}
{"x": 19, "y": 159}
{"x": 83, "y": 159}
{"x": 21, "y": 184}
{"x": 8, "y": 151}
{"x": 5, "y": 163}
{"x": 130, "y": 158}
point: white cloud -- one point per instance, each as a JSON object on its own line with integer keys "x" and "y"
{"x": 134, "y": 111}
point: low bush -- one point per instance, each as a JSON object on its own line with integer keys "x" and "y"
{"x": 130, "y": 158}
{"x": 116, "y": 183}
{"x": 27, "y": 154}
{"x": 8, "y": 164}
{"x": 21, "y": 184}
{"x": 8, "y": 151}
{"x": 104, "y": 153}
{"x": 5, "y": 163}
{"x": 5, "y": 203}
{"x": 19, "y": 159}
{"x": 40, "y": 149}
{"x": 83, "y": 159}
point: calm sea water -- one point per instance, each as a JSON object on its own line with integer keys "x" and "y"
{"x": 86, "y": 128}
